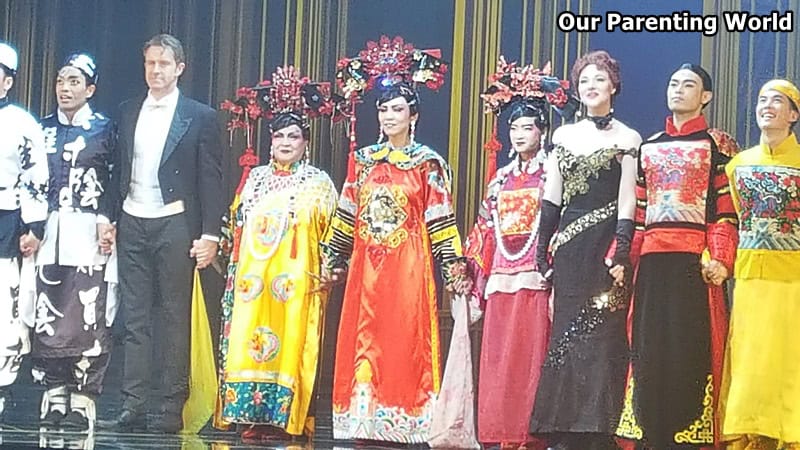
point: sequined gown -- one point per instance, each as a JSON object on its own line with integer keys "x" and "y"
{"x": 583, "y": 377}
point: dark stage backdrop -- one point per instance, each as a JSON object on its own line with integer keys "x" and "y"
{"x": 239, "y": 42}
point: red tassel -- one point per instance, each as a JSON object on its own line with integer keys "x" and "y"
{"x": 248, "y": 160}
{"x": 293, "y": 253}
{"x": 492, "y": 146}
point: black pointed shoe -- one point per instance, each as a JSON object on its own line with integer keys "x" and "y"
{"x": 127, "y": 421}
{"x": 74, "y": 421}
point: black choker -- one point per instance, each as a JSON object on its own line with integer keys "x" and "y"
{"x": 3, "y": 101}
{"x": 602, "y": 122}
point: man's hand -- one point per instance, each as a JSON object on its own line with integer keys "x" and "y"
{"x": 715, "y": 272}
{"x": 203, "y": 251}
{"x": 106, "y": 237}
{"x": 28, "y": 244}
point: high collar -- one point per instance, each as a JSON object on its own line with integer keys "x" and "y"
{"x": 692, "y": 126}
{"x": 786, "y": 146}
{"x": 81, "y": 116}
{"x": 4, "y": 102}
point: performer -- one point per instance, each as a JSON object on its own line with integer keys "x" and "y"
{"x": 588, "y": 194}
{"x": 23, "y": 212}
{"x": 394, "y": 219}
{"x": 170, "y": 191}
{"x": 272, "y": 313}
{"x": 72, "y": 340}
{"x": 763, "y": 359}
{"x": 500, "y": 253}
{"x": 679, "y": 319}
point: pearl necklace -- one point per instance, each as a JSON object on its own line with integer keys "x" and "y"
{"x": 496, "y": 216}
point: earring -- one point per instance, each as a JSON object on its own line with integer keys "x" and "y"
{"x": 542, "y": 141}
{"x": 380, "y": 135}
{"x": 511, "y": 153}
{"x": 305, "y": 156}
{"x": 413, "y": 129}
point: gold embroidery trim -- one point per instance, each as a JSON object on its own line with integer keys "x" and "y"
{"x": 701, "y": 431}
{"x": 583, "y": 223}
{"x": 445, "y": 234}
{"x": 628, "y": 426}
{"x": 577, "y": 169}
{"x": 342, "y": 226}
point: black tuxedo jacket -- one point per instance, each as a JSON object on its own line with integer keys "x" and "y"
{"x": 191, "y": 164}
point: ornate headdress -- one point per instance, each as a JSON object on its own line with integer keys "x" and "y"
{"x": 384, "y": 64}
{"x": 535, "y": 88}
{"x": 285, "y": 93}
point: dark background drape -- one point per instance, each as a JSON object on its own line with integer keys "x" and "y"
{"x": 231, "y": 43}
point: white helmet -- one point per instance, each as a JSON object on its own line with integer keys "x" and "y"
{"x": 8, "y": 57}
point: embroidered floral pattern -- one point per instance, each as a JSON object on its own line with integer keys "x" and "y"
{"x": 264, "y": 345}
{"x": 514, "y": 207}
{"x": 249, "y": 287}
{"x": 677, "y": 178}
{"x": 382, "y": 215}
{"x": 576, "y": 169}
{"x": 269, "y": 230}
{"x": 769, "y": 205}
{"x": 261, "y": 403}
{"x": 282, "y": 287}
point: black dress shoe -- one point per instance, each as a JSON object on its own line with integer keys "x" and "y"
{"x": 126, "y": 421}
{"x": 75, "y": 421}
{"x": 168, "y": 424}
{"x": 52, "y": 419}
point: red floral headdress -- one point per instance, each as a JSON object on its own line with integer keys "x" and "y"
{"x": 285, "y": 93}
{"x": 384, "y": 64}
{"x": 512, "y": 84}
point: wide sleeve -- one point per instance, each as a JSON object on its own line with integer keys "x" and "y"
{"x": 33, "y": 178}
{"x": 480, "y": 247}
{"x": 722, "y": 231}
{"x": 326, "y": 204}
{"x": 337, "y": 242}
{"x": 440, "y": 220}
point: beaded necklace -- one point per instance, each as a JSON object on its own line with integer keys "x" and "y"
{"x": 528, "y": 167}
{"x": 275, "y": 180}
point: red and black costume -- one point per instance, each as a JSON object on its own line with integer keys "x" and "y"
{"x": 678, "y": 322}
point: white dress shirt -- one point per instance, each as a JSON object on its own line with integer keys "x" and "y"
{"x": 144, "y": 197}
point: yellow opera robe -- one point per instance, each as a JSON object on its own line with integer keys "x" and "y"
{"x": 272, "y": 318}
{"x": 761, "y": 383}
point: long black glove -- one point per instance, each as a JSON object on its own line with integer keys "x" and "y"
{"x": 549, "y": 217}
{"x": 624, "y": 236}
{"x": 621, "y": 294}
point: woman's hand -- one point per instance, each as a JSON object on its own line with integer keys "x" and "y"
{"x": 618, "y": 273}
